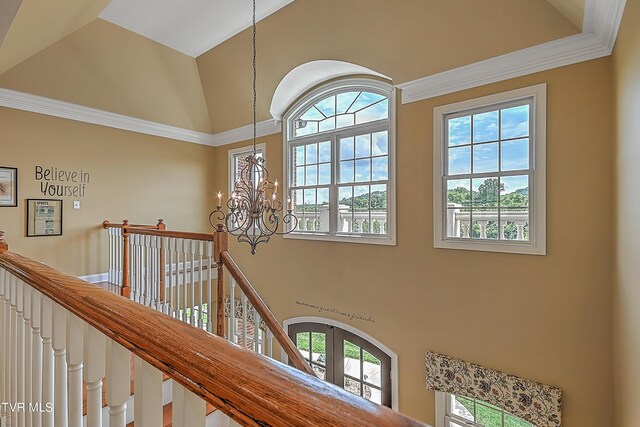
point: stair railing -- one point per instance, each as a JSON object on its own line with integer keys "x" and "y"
{"x": 119, "y": 255}
{"x": 182, "y": 274}
{"x": 56, "y": 330}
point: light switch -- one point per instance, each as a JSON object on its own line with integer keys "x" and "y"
{"x": 76, "y": 204}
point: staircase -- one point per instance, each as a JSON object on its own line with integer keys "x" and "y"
{"x": 67, "y": 346}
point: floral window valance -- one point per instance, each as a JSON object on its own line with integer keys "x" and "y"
{"x": 537, "y": 403}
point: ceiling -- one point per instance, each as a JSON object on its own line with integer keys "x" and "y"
{"x": 573, "y": 10}
{"x": 33, "y": 25}
{"x": 189, "y": 26}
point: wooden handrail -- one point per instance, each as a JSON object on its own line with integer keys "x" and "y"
{"x": 269, "y": 319}
{"x": 168, "y": 233}
{"x": 125, "y": 223}
{"x": 252, "y": 389}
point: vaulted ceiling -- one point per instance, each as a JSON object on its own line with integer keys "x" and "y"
{"x": 189, "y": 26}
{"x": 180, "y": 62}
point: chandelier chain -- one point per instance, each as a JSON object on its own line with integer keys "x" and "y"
{"x": 254, "y": 77}
{"x": 254, "y": 210}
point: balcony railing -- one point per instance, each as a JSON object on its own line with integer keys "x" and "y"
{"x": 511, "y": 224}
{"x": 349, "y": 221}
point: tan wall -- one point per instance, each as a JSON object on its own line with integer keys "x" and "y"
{"x": 138, "y": 177}
{"x": 547, "y": 318}
{"x": 404, "y": 40}
{"x": 626, "y": 294}
{"x": 107, "y": 67}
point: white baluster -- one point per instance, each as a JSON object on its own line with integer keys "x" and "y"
{"x": 232, "y": 311}
{"x": 119, "y": 241}
{"x": 118, "y": 383}
{"x": 7, "y": 345}
{"x": 36, "y": 355}
{"x": 269, "y": 343}
{"x": 483, "y": 229}
{"x": 520, "y": 230}
{"x": 185, "y": 304}
{"x": 244, "y": 320}
{"x": 210, "y": 287}
{"x": 133, "y": 267}
{"x": 75, "y": 331}
{"x": 61, "y": 410}
{"x": 155, "y": 280}
{"x": 20, "y": 332}
{"x": 110, "y": 249}
{"x": 46, "y": 332}
{"x": 28, "y": 356}
{"x": 141, "y": 267}
{"x": 3, "y": 326}
{"x": 14, "y": 352}
{"x": 256, "y": 331}
{"x": 147, "y": 395}
{"x": 94, "y": 371}
{"x": 188, "y": 409}
{"x": 177, "y": 245}
{"x": 200, "y": 283}
{"x": 192, "y": 250}
{"x": 148, "y": 271}
{"x": 172, "y": 298}
{"x": 164, "y": 256}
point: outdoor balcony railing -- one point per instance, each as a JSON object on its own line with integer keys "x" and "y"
{"x": 487, "y": 222}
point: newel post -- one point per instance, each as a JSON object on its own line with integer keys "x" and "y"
{"x": 221, "y": 244}
{"x": 126, "y": 289}
{"x": 161, "y": 226}
{"x": 3, "y": 243}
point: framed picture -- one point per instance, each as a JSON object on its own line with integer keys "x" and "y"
{"x": 8, "y": 187}
{"x": 44, "y": 217}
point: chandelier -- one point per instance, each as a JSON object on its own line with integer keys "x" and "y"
{"x": 254, "y": 209}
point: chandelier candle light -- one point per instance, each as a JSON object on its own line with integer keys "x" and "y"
{"x": 255, "y": 211}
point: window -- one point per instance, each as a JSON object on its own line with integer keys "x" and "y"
{"x": 458, "y": 411}
{"x": 237, "y": 161}
{"x": 489, "y": 166}
{"x": 345, "y": 359}
{"x": 340, "y": 164}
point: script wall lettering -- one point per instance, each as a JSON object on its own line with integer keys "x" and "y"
{"x": 56, "y": 182}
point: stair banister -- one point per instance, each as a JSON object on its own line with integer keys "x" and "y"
{"x": 269, "y": 319}
{"x": 252, "y": 389}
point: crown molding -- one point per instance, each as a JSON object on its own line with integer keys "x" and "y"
{"x": 601, "y": 25}
{"x": 267, "y": 127}
{"x": 65, "y": 110}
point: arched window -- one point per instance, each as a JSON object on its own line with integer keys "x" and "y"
{"x": 346, "y": 359}
{"x": 340, "y": 161}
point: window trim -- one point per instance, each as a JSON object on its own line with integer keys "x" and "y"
{"x": 395, "y": 399}
{"x": 308, "y": 100}
{"x": 444, "y": 418}
{"x": 241, "y": 150}
{"x": 537, "y": 212}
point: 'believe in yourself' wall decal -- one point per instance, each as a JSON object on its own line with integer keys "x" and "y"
{"x": 62, "y": 183}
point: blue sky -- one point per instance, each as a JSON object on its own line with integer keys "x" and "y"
{"x": 362, "y": 158}
{"x": 345, "y": 109}
{"x": 488, "y": 129}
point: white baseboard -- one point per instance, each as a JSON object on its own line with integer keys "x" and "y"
{"x": 95, "y": 278}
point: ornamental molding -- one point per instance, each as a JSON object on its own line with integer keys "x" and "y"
{"x": 601, "y": 24}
